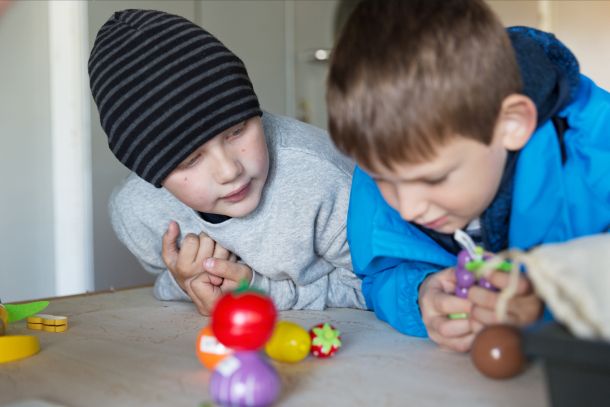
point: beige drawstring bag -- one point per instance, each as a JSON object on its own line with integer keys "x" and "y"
{"x": 572, "y": 278}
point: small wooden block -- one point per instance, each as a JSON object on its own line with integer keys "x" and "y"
{"x": 55, "y": 328}
{"x": 48, "y": 323}
{"x": 36, "y": 327}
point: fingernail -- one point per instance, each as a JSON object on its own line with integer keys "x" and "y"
{"x": 209, "y": 263}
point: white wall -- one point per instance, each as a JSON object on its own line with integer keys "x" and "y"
{"x": 254, "y": 31}
{"x": 584, "y": 26}
{"x": 522, "y": 12}
{"x": 313, "y": 31}
{"x": 26, "y": 198}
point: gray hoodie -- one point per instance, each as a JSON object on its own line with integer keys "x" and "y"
{"x": 294, "y": 241}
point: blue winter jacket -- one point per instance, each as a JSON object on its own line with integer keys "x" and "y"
{"x": 559, "y": 190}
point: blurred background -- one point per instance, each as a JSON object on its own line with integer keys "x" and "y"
{"x": 55, "y": 234}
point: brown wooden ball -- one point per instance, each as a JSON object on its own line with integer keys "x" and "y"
{"x": 497, "y": 353}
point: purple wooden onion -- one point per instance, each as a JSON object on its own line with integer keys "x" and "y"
{"x": 244, "y": 379}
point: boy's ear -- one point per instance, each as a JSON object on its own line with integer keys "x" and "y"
{"x": 516, "y": 121}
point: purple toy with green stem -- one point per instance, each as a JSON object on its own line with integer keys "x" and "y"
{"x": 469, "y": 270}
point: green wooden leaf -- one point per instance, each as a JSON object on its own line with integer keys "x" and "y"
{"x": 17, "y": 312}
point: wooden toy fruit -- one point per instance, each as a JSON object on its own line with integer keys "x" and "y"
{"x": 289, "y": 342}
{"x": 496, "y": 352}
{"x": 325, "y": 340}
{"x": 209, "y": 351}
{"x": 243, "y": 319}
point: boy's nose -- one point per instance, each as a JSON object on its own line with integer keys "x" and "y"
{"x": 227, "y": 168}
{"x": 411, "y": 205}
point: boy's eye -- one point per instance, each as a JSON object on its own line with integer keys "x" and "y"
{"x": 436, "y": 181}
{"x": 191, "y": 161}
{"x": 236, "y": 132}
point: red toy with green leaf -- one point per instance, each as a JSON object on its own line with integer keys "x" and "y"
{"x": 325, "y": 340}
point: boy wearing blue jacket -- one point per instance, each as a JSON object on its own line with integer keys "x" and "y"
{"x": 457, "y": 123}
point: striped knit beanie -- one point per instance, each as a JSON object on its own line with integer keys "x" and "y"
{"x": 163, "y": 86}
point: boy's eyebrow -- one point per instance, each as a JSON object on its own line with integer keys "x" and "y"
{"x": 432, "y": 176}
{"x": 243, "y": 122}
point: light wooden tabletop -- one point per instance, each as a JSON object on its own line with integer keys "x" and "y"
{"x": 127, "y": 349}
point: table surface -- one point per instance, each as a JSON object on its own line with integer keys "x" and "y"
{"x": 127, "y": 349}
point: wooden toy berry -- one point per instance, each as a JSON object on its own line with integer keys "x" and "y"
{"x": 325, "y": 340}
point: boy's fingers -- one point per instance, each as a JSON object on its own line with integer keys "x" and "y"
{"x": 476, "y": 326}
{"x": 526, "y": 309}
{"x": 191, "y": 293}
{"x": 447, "y": 280}
{"x": 226, "y": 269}
{"x": 487, "y": 316}
{"x": 204, "y": 293}
{"x": 446, "y": 304}
{"x": 215, "y": 280}
{"x": 188, "y": 251}
{"x": 501, "y": 280}
{"x": 169, "y": 250}
{"x": 221, "y": 253}
{"x": 462, "y": 344}
{"x": 483, "y": 297}
{"x": 450, "y": 328}
{"x": 205, "y": 248}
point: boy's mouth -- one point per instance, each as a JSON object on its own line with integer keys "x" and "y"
{"x": 238, "y": 194}
{"x": 437, "y": 223}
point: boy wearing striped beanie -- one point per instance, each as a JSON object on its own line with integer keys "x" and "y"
{"x": 254, "y": 196}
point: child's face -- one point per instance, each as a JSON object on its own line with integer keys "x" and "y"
{"x": 226, "y": 175}
{"x": 449, "y": 191}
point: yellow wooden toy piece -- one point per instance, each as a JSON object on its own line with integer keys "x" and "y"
{"x": 15, "y": 347}
{"x": 3, "y": 320}
{"x": 48, "y": 323}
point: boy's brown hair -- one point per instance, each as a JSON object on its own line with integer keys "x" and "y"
{"x": 407, "y": 75}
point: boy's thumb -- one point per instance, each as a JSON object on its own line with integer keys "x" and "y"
{"x": 170, "y": 243}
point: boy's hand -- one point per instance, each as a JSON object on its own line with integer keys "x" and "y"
{"x": 204, "y": 288}
{"x": 186, "y": 262}
{"x": 524, "y": 308}
{"x": 436, "y": 302}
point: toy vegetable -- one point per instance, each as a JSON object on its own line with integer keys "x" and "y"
{"x": 243, "y": 319}
{"x": 244, "y": 379}
{"x": 289, "y": 342}
{"x": 209, "y": 351}
{"x": 15, "y": 312}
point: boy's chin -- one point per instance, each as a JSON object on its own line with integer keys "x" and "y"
{"x": 450, "y": 229}
{"x": 242, "y": 209}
